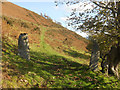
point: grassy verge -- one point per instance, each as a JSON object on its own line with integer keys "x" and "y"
{"x": 49, "y": 69}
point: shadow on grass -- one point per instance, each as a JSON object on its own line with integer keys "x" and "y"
{"x": 54, "y": 63}
{"x": 55, "y": 70}
{"x": 76, "y": 54}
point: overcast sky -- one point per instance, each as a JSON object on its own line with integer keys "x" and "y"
{"x": 48, "y": 7}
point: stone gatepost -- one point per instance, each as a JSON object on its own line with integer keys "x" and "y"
{"x": 94, "y": 57}
{"x": 23, "y": 46}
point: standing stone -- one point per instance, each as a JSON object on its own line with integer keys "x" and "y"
{"x": 94, "y": 57}
{"x": 23, "y": 46}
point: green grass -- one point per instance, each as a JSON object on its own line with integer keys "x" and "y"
{"x": 50, "y": 69}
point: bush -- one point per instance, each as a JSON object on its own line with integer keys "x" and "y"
{"x": 10, "y": 22}
{"x": 36, "y": 28}
{"x": 23, "y": 24}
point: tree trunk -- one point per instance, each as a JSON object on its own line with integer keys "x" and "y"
{"x": 94, "y": 57}
{"x": 118, "y": 14}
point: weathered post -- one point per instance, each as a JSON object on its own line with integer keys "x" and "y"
{"x": 94, "y": 57}
{"x": 23, "y": 46}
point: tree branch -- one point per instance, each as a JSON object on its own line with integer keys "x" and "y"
{"x": 104, "y": 7}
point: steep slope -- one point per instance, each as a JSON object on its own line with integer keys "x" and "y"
{"x": 55, "y": 32}
{"x": 14, "y": 11}
{"x": 59, "y": 58}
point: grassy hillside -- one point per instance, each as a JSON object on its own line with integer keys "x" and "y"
{"x": 59, "y": 58}
{"x": 50, "y": 69}
{"x": 19, "y": 20}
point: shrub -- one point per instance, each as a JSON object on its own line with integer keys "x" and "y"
{"x": 10, "y": 22}
{"x": 36, "y": 28}
{"x": 23, "y": 24}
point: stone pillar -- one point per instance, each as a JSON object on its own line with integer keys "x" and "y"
{"x": 23, "y": 46}
{"x": 94, "y": 57}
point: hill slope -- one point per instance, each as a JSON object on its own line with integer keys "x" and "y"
{"x": 55, "y": 32}
{"x": 58, "y": 56}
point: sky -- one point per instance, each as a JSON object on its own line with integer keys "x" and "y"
{"x": 48, "y": 7}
